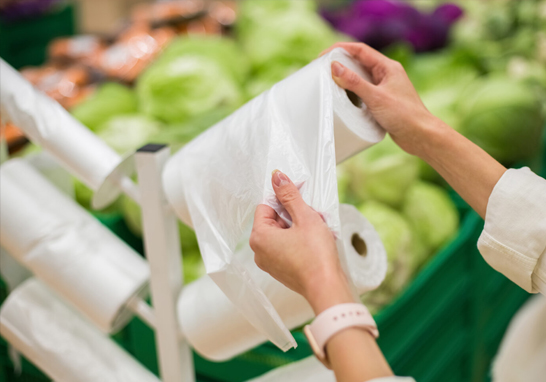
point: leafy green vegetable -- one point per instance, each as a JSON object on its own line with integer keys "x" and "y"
{"x": 193, "y": 266}
{"x": 432, "y": 215}
{"x": 127, "y": 133}
{"x": 109, "y": 100}
{"x": 502, "y": 116}
{"x": 397, "y": 237}
{"x": 282, "y": 33}
{"x": 383, "y": 172}
{"x": 179, "y": 134}
{"x": 269, "y": 76}
{"x": 194, "y": 76}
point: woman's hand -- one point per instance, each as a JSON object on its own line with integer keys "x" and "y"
{"x": 396, "y": 106}
{"x": 303, "y": 257}
{"x": 391, "y": 98}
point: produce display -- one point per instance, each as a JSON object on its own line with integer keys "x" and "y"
{"x": 178, "y": 69}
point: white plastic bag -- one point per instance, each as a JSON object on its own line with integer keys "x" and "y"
{"x": 302, "y": 126}
{"x": 216, "y": 330}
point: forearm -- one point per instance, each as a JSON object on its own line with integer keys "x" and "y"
{"x": 465, "y": 166}
{"x": 353, "y": 353}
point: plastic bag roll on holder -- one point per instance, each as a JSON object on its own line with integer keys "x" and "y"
{"x": 216, "y": 329}
{"x": 49, "y": 125}
{"x": 60, "y": 342}
{"x": 68, "y": 249}
{"x": 302, "y": 126}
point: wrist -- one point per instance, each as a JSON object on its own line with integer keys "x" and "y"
{"x": 432, "y": 132}
{"x": 328, "y": 289}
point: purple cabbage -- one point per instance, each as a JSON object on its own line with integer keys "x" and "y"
{"x": 15, "y": 10}
{"x": 380, "y": 23}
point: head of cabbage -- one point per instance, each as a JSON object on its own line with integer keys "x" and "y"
{"x": 127, "y": 133}
{"x": 401, "y": 246}
{"x": 383, "y": 172}
{"x": 109, "y": 100}
{"x": 503, "y": 116}
{"x": 432, "y": 215}
{"x": 282, "y": 33}
{"x": 194, "y": 76}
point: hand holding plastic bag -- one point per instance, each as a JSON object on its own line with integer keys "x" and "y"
{"x": 302, "y": 126}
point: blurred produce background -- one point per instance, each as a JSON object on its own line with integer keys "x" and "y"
{"x": 165, "y": 71}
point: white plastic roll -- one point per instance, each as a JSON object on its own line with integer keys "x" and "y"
{"x": 302, "y": 126}
{"x": 215, "y": 328}
{"x": 61, "y": 343}
{"x": 11, "y": 271}
{"x": 307, "y": 370}
{"x": 50, "y": 126}
{"x": 77, "y": 149}
{"x": 67, "y": 248}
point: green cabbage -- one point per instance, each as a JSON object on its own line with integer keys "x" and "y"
{"x": 282, "y": 33}
{"x": 109, "y": 100}
{"x": 269, "y": 76}
{"x": 397, "y": 237}
{"x": 194, "y": 76}
{"x": 502, "y": 116}
{"x": 343, "y": 183}
{"x": 127, "y": 133}
{"x": 177, "y": 135}
{"x": 432, "y": 215}
{"x": 193, "y": 266}
{"x": 383, "y": 172}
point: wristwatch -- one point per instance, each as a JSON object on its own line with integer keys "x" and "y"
{"x": 332, "y": 321}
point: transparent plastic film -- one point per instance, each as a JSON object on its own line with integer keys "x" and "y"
{"x": 303, "y": 126}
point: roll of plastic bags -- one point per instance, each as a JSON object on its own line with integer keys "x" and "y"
{"x": 302, "y": 126}
{"x": 60, "y": 342}
{"x": 50, "y": 126}
{"x": 11, "y": 271}
{"x": 215, "y": 328}
{"x": 46, "y": 123}
{"x": 67, "y": 248}
{"x": 307, "y": 370}
{"x": 49, "y": 167}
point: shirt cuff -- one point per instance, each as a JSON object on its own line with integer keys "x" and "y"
{"x": 514, "y": 236}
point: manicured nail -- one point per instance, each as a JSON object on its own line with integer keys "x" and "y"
{"x": 337, "y": 69}
{"x": 279, "y": 179}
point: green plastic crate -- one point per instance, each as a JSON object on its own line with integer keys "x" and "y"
{"x": 25, "y": 42}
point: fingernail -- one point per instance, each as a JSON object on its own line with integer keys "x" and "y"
{"x": 337, "y": 69}
{"x": 279, "y": 179}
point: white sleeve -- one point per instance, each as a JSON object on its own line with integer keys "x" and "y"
{"x": 393, "y": 379}
{"x": 513, "y": 240}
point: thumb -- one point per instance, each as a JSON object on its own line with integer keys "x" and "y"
{"x": 349, "y": 80}
{"x": 289, "y": 195}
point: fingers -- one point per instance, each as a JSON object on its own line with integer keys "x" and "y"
{"x": 349, "y": 80}
{"x": 366, "y": 55}
{"x": 289, "y": 195}
{"x": 266, "y": 216}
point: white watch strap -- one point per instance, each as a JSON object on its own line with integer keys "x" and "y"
{"x": 334, "y": 320}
